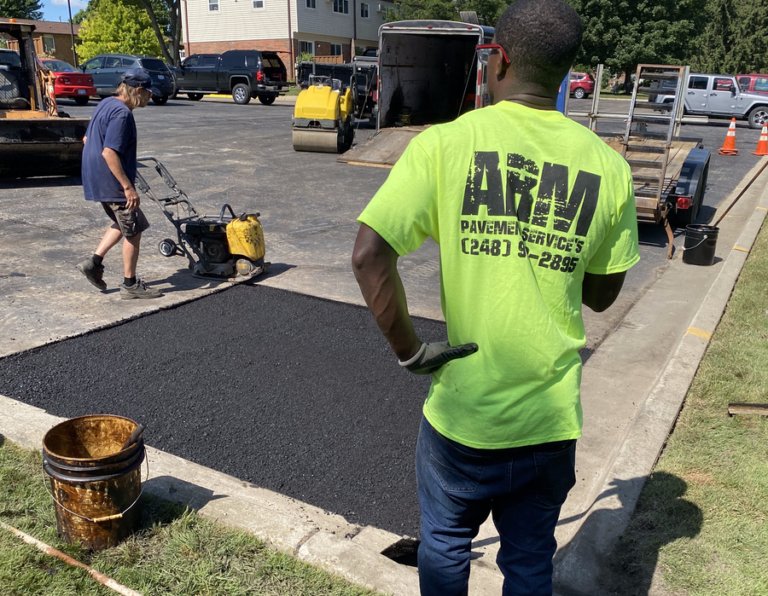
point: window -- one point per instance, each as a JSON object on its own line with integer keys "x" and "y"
{"x": 335, "y": 49}
{"x": 213, "y": 5}
{"x": 306, "y": 47}
{"x": 113, "y": 62}
{"x": 310, "y": 3}
{"x": 49, "y": 45}
{"x": 191, "y": 61}
{"x": 341, "y": 6}
{"x": 364, "y": 10}
{"x": 761, "y": 84}
{"x": 94, "y": 64}
{"x": 182, "y": 53}
{"x": 258, "y": 4}
{"x": 151, "y": 64}
{"x": 723, "y": 85}
{"x": 209, "y": 61}
{"x": 698, "y": 83}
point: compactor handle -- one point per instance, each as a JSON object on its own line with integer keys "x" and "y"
{"x": 223, "y": 209}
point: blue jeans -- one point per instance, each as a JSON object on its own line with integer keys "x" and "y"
{"x": 459, "y": 487}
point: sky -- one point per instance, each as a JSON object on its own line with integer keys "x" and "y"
{"x": 55, "y": 10}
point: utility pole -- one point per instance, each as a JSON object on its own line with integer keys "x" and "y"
{"x": 72, "y": 32}
{"x": 290, "y": 41}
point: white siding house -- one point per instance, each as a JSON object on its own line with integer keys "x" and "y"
{"x": 321, "y": 27}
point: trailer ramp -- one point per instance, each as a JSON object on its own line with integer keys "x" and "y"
{"x": 381, "y": 149}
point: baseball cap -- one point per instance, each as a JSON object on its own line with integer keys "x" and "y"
{"x": 138, "y": 77}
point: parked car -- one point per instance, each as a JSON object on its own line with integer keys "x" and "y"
{"x": 9, "y": 59}
{"x": 720, "y": 96}
{"x": 754, "y": 83}
{"x": 70, "y": 83}
{"x": 107, "y": 71}
{"x": 582, "y": 84}
{"x": 245, "y": 74}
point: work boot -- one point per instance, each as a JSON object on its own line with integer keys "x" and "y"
{"x": 93, "y": 273}
{"x": 138, "y": 290}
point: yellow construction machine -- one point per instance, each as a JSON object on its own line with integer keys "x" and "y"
{"x": 323, "y": 118}
{"x": 35, "y": 138}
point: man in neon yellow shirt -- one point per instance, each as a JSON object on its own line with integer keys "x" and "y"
{"x": 534, "y": 216}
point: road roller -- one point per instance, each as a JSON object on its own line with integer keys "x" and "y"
{"x": 323, "y": 118}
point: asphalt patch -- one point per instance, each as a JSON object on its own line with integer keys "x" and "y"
{"x": 295, "y": 394}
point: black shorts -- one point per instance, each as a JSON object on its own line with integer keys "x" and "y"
{"x": 128, "y": 222}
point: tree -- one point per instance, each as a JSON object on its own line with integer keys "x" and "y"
{"x": 165, "y": 16}
{"x": 21, "y": 9}
{"x": 733, "y": 39}
{"x": 406, "y": 10}
{"x": 117, "y": 28}
{"x": 488, "y": 11}
{"x": 622, "y": 34}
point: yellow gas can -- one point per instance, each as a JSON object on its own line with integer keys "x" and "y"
{"x": 246, "y": 237}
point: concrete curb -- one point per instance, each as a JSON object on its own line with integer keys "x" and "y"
{"x": 309, "y": 533}
{"x": 581, "y": 565}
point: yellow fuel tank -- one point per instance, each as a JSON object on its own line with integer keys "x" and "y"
{"x": 246, "y": 237}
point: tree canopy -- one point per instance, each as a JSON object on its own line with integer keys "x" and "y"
{"x": 115, "y": 27}
{"x": 21, "y": 9}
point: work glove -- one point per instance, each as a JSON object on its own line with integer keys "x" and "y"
{"x": 432, "y": 356}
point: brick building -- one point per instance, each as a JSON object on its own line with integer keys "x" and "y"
{"x": 51, "y": 38}
{"x": 318, "y": 27}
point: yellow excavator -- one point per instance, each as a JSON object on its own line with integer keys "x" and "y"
{"x": 323, "y": 117}
{"x": 35, "y": 138}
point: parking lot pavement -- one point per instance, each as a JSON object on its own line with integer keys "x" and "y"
{"x": 221, "y": 152}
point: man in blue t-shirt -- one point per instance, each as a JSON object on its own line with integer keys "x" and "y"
{"x": 108, "y": 172}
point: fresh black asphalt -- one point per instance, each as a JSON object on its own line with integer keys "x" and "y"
{"x": 292, "y": 393}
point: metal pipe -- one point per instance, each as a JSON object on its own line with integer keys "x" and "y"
{"x": 743, "y": 190}
{"x": 72, "y": 32}
{"x": 49, "y": 550}
{"x": 290, "y": 41}
{"x": 186, "y": 31}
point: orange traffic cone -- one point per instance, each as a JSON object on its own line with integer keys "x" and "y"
{"x": 729, "y": 147}
{"x": 762, "y": 144}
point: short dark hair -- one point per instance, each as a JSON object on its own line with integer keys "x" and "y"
{"x": 541, "y": 39}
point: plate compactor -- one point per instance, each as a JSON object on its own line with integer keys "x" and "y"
{"x": 322, "y": 119}
{"x": 223, "y": 247}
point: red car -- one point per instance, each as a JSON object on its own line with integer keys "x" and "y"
{"x": 582, "y": 84}
{"x": 70, "y": 82}
{"x": 753, "y": 83}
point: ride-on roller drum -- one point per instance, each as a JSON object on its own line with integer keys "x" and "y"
{"x": 322, "y": 119}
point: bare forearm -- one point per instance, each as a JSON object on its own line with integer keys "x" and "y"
{"x": 375, "y": 266}
{"x": 112, "y": 158}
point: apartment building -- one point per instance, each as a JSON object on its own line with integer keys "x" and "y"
{"x": 318, "y": 27}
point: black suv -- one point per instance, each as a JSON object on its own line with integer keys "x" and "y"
{"x": 245, "y": 74}
{"x": 107, "y": 71}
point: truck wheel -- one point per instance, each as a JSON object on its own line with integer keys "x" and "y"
{"x": 758, "y": 117}
{"x": 241, "y": 94}
{"x": 195, "y": 96}
{"x": 579, "y": 93}
{"x": 267, "y": 100}
{"x": 160, "y": 101}
{"x": 81, "y": 101}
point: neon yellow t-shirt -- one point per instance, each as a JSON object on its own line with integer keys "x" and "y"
{"x": 522, "y": 202}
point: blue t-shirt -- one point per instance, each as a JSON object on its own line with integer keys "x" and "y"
{"x": 112, "y": 126}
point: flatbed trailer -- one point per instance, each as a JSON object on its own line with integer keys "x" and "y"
{"x": 669, "y": 171}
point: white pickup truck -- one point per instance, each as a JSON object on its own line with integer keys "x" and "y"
{"x": 717, "y": 96}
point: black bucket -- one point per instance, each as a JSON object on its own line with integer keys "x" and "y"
{"x": 700, "y": 244}
{"x": 94, "y": 484}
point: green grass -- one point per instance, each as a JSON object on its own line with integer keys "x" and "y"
{"x": 175, "y": 552}
{"x": 704, "y": 512}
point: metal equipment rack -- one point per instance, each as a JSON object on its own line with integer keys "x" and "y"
{"x": 659, "y": 160}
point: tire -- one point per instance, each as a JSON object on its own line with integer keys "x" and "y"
{"x": 586, "y": 96}
{"x": 758, "y": 117}
{"x": 81, "y": 101}
{"x": 160, "y": 101}
{"x": 195, "y": 96}
{"x": 579, "y": 93}
{"x": 241, "y": 94}
{"x": 267, "y": 100}
{"x": 346, "y": 137}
